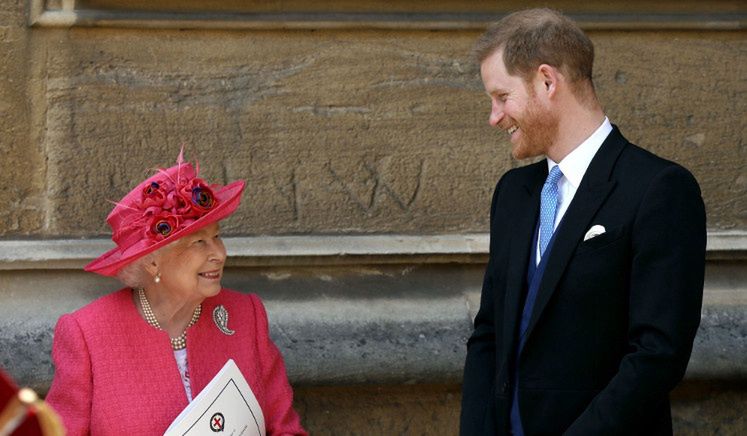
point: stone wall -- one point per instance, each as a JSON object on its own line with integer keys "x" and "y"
{"x": 365, "y": 129}
{"x": 335, "y": 131}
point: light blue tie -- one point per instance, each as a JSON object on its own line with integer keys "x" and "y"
{"x": 549, "y": 207}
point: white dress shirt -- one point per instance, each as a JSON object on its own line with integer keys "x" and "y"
{"x": 573, "y": 167}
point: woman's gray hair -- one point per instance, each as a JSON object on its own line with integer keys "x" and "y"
{"x": 134, "y": 274}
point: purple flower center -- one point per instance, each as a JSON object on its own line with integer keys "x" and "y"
{"x": 202, "y": 198}
{"x": 163, "y": 228}
{"x": 152, "y": 188}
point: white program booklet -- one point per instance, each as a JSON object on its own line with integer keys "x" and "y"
{"x": 226, "y": 406}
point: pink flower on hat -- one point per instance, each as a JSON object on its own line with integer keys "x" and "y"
{"x": 171, "y": 203}
{"x": 154, "y": 194}
{"x": 198, "y": 195}
{"x": 173, "y": 207}
{"x": 162, "y": 225}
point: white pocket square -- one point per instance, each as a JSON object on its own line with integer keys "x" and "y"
{"x": 594, "y": 231}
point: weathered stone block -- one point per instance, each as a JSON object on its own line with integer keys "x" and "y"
{"x": 675, "y": 94}
{"x": 341, "y": 131}
{"x": 22, "y": 166}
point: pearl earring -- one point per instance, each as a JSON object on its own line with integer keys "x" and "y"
{"x": 157, "y": 278}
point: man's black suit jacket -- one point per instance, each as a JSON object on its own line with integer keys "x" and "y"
{"x": 615, "y": 316}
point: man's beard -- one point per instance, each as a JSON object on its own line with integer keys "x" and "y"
{"x": 539, "y": 129}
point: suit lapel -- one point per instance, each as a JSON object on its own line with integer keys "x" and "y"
{"x": 593, "y": 190}
{"x": 526, "y": 206}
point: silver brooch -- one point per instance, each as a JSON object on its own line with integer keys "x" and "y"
{"x": 220, "y": 316}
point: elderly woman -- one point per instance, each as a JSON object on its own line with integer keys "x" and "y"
{"x": 131, "y": 361}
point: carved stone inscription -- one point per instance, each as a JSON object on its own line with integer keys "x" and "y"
{"x": 345, "y": 132}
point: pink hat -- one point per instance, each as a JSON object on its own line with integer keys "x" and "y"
{"x": 171, "y": 204}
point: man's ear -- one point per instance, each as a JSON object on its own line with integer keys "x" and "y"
{"x": 548, "y": 78}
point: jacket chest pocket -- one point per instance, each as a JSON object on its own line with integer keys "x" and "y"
{"x": 598, "y": 273}
{"x": 610, "y": 239}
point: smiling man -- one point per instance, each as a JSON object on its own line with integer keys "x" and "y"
{"x": 592, "y": 294}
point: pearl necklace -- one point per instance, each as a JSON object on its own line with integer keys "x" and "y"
{"x": 179, "y": 342}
